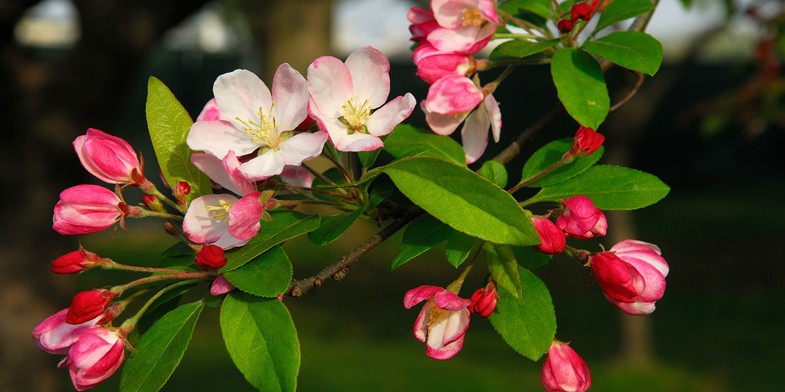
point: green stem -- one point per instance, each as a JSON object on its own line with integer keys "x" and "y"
{"x": 455, "y": 286}
{"x": 125, "y": 267}
{"x": 146, "y": 213}
{"x": 129, "y": 324}
{"x": 160, "y": 196}
{"x": 539, "y": 175}
{"x": 324, "y": 192}
{"x": 156, "y": 278}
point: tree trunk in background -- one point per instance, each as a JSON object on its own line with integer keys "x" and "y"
{"x": 289, "y": 31}
{"x": 45, "y": 104}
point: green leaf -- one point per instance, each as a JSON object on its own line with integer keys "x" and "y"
{"x": 367, "y": 158}
{"x": 160, "y": 350}
{"x": 619, "y": 10}
{"x": 169, "y": 124}
{"x": 267, "y": 275}
{"x": 495, "y": 172}
{"x": 459, "y": 246}
{"x": 539, "y": 7}
{"x": 552, "y": 153}
{"x": 633, "y": 50}
{"x": 261, "y": 340}
{"x": 284, "y": 225}
{"x": 580, "y": 85}
{"x": 379, "y": 193}
{"x": 464, "y": 200}
{"x": 407, "y": 140}
{"x": 609, "y": 188}
{"x": 163, "y": 305}
{"x": 518, "y": 49}
{"x": 503, "y": 268}
{"x": 529, "y": 258}
{"x": 333, "y": 227}
{"x": 422, "y": 234}
{"x": 527, "y": 324}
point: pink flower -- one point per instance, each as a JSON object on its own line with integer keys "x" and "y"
{"x": 586, "y": 142}
{"x": 210, "y": 111}
{"x": 252, "y": 119}
{"x": 474, "y": 134}
{"x": 55, "y": 336}
{"x": 552, "y": 239}
{"x": 244, "y": 216}
{"x": 207, "y": 221}
{"x": 421, "y": 22}
{"x": 581, "y": 219}
{"x": 483, "y": 301}
{"x": 347, "y": 98}
{"x": 87, "y": 305}
{"x": 76, "y": 261}
{"x": 631, "y": 275}
{"x": 433, "y": 64}
{"x": 95, "y": 356}
{"x": 225, "y": 172}
{"x": 564, "y": 370}
{"x": 220, "y": 286}
{"x": 109, "y": 158}
{"x": 465, "y": 26}
{"x": 442, "y": 322}
{"x": 86, "y": 208}
{"x": 210, "y": 258}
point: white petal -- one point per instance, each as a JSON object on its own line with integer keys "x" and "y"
{"x": 303, "y": 146}
{"x": 370, "y": 72}
{"x": 218, "y": 138}
{"x": 264, "y": 166}
{"x": 290, "y": 94}
{"x": 383, "y": 120}
{"x": 240, "y": 94}
{"x": 330, "y": 85}
{"x": 474, "y": 134}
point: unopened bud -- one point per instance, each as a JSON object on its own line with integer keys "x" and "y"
{"x": 153, "y": 203}
{"x": 565, "y": 25}
{"x": 210, "y": 257}
{"x": 88, "y": 305}
{"x": 484, "y": 300}
{"x": 181, "y": 189}
{"x": 586, "y": 142}
{"x": 76, "y": 261}
{"x": 581, "y": 11}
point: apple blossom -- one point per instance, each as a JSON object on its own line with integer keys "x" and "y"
{"x": 210, "y": 257}
{"x": 109, "y": 158}
{"x": 220, "y": 286}
{"x": 207, "y": 221}
{"x": 585, "y": 142}
{"x": 631, "y": 275}
{"x": 581, "y": 219}
{"x": 465, "y": 26}
{"x": 421, "y": 22}
{"x": 449, "y": 101}
{"x": 484, "y": 299}
{"x": 552, "y": 239}
{"x": 95, "y": 356}
{"x": 252, "y": 119}
{"x": 433, "y": 64}
{"x": 77, "y": 261}
{"x": 564, "y": 370}
{"x": 55, "y": 336}
{"x": 89, "y": 304}
{"x": 88, "y": 208}
{"x": 442, "y": 322}
{"x": 347, "y": 98}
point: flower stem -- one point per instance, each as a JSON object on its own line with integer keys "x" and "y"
{"x": 539, "y": 175}
{"x": 129, "y": 324}
{"x": 156, "y": 278}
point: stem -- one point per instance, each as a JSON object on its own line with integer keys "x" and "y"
{"x": 146, "y": 213}
{"x": 515, "y": 36}
{"x": 318, "y": 175}
{"x": 156, "y": 278}
{"x": 129, "y": 324}
{"x": 631, "y": 93}
{"x": 455, "y": 286}
{"x": 125, "y": 267}
{"x": 324, "y": 192}
{"x": 160, "y": 196}
{"x": 539, "y": 175}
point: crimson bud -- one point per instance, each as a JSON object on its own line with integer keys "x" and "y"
{"x": 76, "y": 261}
{"x": 565, "y": 25}
{"x": 552, "y": 239}
{"x": 484, "y": 300}
{"x": 210, "y": 257}
{"x": 87, "y": 305}
{"x": 586, "y": 142}
{"x": 564, "y": 370}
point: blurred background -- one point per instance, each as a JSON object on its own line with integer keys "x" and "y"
{"x": 710, "y": 124}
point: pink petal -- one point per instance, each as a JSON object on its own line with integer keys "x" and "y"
{"x": 464, "y": 40}
{"x": 200, "y": 226}
{"x": 240, "y": 94}
{"x": 244, "y": 217}
{"x": 220, "y": 286}
{"x": 224, "y": 172}
{"x": 370, "y": 72}
{"x": 297, "y": 175}
{"x": 303, "y": 146}
{"x": 474, "y": 134}
{"x": 210, "y": 111}
{"x": 218, "y": 138}
{"x": 634, "y": 308}
{"x": 421, "y": 323}
{"x": 452, "y": 95}
{"x": 419, "y": 294}
{"x": 384, "y": 120}
{"x": 450, "y": 13}
{"x": 290, "y": 94}
{"x": 330, "y": 85}
{"x": 495, "y": 115}
{"x": 448, "y": 300}
{"x": 442, "y": 124}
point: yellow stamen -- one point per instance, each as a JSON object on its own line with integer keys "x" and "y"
{"x": 221, "y": 211}
{"x": 355, "y": 115}
{"x": 264, "y": 132}
{"x": 472, "y": 17}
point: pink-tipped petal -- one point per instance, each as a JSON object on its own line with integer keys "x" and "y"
{"x": 384, "y": 120}
{"x": 220, "y": 286}
{"x": 330, "y": 85}
{"x": 637, "y": 308}
{"x": 210, "y": 111}
{"x": 474, "y": 135}
{"x": 452, "y": 95}
{"x": 244, "y": 217}
{"x": 297, "y": 175}
{"x": 241, "y": 94}
{"x": 290, "y": 94}
{"x": 419, "y": 294}
{"x": 264, "y": 166}
{"x": 448, "y": 300}
{"x": 422, "y": 321}
{"x": 218, "y": 138}
{"x": 370, "y": 71}
{"x": 302, "y": 147}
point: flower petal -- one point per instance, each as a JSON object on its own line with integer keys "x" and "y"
{"x": 419, "y": 294}
{"x": 244, "y": 217}
{"x": 218, "y": 138}
{"x": 383, "y": 120}
{"x": 264, "y": 166}
{"x": 330, "y": 85}
{"x": 370, "y": 71}
{"x": 290, "y": 94}
{"x": 474, "y": 134}
{"x": 303, "y": 146}
{"x": 241, "y": 94}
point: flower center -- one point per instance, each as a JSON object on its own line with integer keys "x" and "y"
{"x": 435, "y": 315}
{"x": 472, "y": 17}
{"x": 220, "y": 212}
{"x": 355, "y": 115}
{"x": 264, "y": 132}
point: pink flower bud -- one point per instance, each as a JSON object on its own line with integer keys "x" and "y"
{"x": 97, "y": 354}
{"x": 552, "y": 239}
{"x": 210, "y": 257}
{"x": 631, "y": 275}
{"x": 76, "y": 261}
{"x": 221, "y": 286}
{"x": 581, "y": 11}
{"x": 210, "y": 112}
{"x": 586, "y": 142}
{"x": 89, "y": 304}
{"x": 581, "y": 219}
{"x": 153, "y": 203}
{"x": 565, "y": 25}
{"x": 442, "y": 322}
{"x": 86, "y": 208}
{"x": 55, "y": 336}
{"x": 564, "y": 370}
{"x": 181, "y": 189}
{"x": 484, "y": 300}
{"x": 421, "y": 22}
{"x": 433, "y": 64}
{"x": 109, "y": 158}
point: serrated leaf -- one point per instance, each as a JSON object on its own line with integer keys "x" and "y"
{"x": 407, "y": 140}
{"x": 495, "y": 172}
{"x": 619, "y": 10}
{"x": 633, "y": 50}
{"x": 581, "y": 87}
{"x": 609, "y": 188}
{"x": 334, "y": 226}
{"x": 552, "y": 153}
{"x": 518, "y": 49}
{"x": 423, "y": 233}
{"x": 462, "y": 199}
{"x": 261, "y": 340}
{"x": 284, "y": 225}
{"x": 163, "y": 305}
{"x": 169, "y": 123}
{"x": 160, "y": 350}
{"x": 458, "y": 248}
{"x": 527, "y": 324}
{"x": 503, "y": 268}
{"x": 267, "y": 275}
